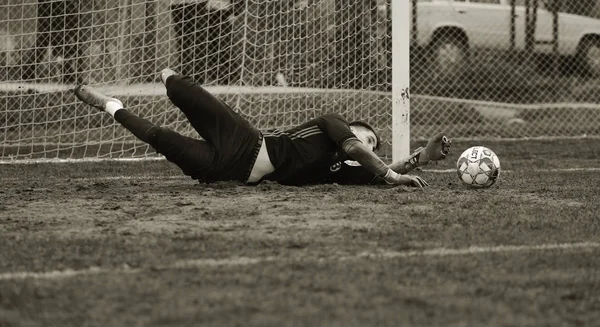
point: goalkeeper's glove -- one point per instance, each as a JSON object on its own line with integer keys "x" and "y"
{"x": 392, "y": 177}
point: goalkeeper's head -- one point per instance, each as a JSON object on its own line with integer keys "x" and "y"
{"x": 366, "y": 134}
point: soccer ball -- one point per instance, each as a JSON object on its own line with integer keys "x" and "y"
{"x": 478, "y": 167}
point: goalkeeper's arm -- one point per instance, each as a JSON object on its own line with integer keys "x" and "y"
{"x": 368, "y": 159}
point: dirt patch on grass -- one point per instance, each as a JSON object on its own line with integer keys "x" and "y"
{"x": 49, "y": 222}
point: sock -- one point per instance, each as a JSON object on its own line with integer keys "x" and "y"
{"x": 112, "y": 107}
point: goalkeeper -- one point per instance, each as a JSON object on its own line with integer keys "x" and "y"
{"x": 326, "y": 149}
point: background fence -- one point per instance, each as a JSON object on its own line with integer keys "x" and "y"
{"x": 513, "y": 69}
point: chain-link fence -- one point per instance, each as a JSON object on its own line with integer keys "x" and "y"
{"x": 479, "y": 68}
{"x": 529, "y": 68}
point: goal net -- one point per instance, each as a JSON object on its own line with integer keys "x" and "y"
{"x": 280, "y": 63}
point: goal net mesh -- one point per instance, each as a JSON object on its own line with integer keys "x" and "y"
{"x": 278, "y": 63}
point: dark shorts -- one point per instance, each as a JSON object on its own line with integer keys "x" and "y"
{"x": 230, "y": 143}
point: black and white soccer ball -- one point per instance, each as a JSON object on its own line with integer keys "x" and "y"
{"x": 478, "y": 167}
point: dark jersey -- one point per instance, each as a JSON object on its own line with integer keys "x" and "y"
{"x": 306, "y": 154}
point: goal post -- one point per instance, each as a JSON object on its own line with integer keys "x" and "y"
{"x": 401, "y": 27}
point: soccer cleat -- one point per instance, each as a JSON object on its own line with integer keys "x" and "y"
{"x": 165, "y": 73}
{"x": 437, "y": 147}
{"x": 93, "y": 97}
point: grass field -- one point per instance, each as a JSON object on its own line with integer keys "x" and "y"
{"x": 136, "y": 244}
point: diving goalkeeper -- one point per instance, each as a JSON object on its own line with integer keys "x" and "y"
{"x": 327, "y": 149}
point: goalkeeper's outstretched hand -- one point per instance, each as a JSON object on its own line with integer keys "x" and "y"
{"x": 397, "y": 179}
{"x": 415, "y": 181}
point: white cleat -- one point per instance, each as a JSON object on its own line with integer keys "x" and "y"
{"x": 165, "y": 73}
{"x": 93, "y": 97}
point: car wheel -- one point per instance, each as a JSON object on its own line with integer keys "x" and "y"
{"x": 449, "y": 53}
{"x": 590, "y": 56}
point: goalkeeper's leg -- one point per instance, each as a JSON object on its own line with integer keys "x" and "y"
{"x": 194, "y": 157}
{"x": 437, "y": 148}
{"x": 236, "y": 141}
{"x": 212, "y": 118}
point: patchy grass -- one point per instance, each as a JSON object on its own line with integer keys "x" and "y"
{"x": 308, "y": 244}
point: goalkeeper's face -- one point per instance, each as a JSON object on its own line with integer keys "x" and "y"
{"x": 365, "y": 135}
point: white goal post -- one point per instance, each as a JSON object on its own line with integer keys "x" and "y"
{"x": 401, "y": 26}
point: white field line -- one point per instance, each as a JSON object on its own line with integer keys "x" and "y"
{"x": 105, "y": 178}
{"x": 551, "y": 170}
{"x": 176, "y": 177}
{"x": 182, "y": 264}
{"x": 246, "y": 261}
{"x": 82, "y": 160}
{"x": 445, "y": 252}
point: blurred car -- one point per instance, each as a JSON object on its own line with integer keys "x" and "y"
{"x": 449, "y": 28}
